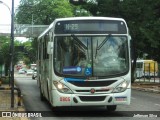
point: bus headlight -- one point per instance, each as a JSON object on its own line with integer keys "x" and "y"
{"x": 121, "y": 87}
{"x": 62, "y": 88}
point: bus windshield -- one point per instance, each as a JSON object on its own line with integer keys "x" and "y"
{"x": 99, "y": 56}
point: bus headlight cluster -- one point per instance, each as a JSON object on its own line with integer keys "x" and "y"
{"x": 121, "y": 87}
{"x": 62, "y": 88}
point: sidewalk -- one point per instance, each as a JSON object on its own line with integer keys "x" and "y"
{"x": 5, "y": 105}
{"x": 147, "y": 85}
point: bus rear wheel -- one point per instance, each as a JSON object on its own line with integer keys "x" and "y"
{"x": 111, "y": 107}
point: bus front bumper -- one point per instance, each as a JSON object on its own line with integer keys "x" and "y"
{"x": 60, "y": 99}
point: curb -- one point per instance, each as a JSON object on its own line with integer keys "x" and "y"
{"x": 146, "y": 90}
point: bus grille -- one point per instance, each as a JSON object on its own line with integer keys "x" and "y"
{"x": 92, "y": 98}
{"x": 90, "y": 90}
{"x": 92, "y": 83}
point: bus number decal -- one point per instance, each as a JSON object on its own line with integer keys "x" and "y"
{"x": 64, "y": 99}
{"x": 71, "y": 27}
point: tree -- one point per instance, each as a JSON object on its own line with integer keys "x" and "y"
{"x": 42, "y": 12}
{"x": 4, "y": 51}
{"x": 143, "y": 21}
{"x": 19, "y": 52}
{"x": 142, "y": 18}
{"x": 29, "y": 54}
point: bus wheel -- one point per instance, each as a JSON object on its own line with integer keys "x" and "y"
{"x": 111, "y": 107}
{"x": 56, "y": 110}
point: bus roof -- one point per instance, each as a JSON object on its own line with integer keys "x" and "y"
{"x": 79, "y": 18}
{"x": 89, "y": 18}
{"x": 145, "y": 61}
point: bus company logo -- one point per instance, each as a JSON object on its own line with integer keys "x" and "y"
{"x": 92, "y": 90}
{"x": 72, "y": 70}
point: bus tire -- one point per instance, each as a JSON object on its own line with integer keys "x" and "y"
{"x": 111, "y": 107}
{"x": 54, "y": 109}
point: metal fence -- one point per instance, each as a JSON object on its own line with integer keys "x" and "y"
{"x": 23, "y": 30}
{"x": 148, "y": 72}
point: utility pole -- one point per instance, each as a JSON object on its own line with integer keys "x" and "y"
{"x": 12, "y": 56}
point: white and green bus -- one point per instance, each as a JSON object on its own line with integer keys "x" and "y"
{"x": 85, "y": 61}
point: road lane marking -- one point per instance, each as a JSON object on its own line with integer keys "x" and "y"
{"x": 157, "y": 104}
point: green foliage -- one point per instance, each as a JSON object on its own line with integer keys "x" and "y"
{"x": 28, "y": 55}
{"x": 4, "y": 49}
{"x": 43, "y": 12}
{"x": 4, "y": 52}
{"x": 5, "y": 80}
{"x": 143, "y": 19}
{"x": 26, "y": 60}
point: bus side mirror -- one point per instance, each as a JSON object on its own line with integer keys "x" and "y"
{"x": 50, "y": 48}
{"x": 129, "y": 37}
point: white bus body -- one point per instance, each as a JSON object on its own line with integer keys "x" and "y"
{"x": 85, "y": 61}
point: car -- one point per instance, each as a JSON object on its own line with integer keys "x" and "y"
{"x": 29, "y": 72}
{"x": 24, "y": 69}
{"x": 21, "y": 71}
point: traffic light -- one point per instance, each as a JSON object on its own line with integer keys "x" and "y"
{"x": 77, "y": 2}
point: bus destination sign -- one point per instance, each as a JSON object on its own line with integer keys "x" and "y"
{"x": 90, "y": 27}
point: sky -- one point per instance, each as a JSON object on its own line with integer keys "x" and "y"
{"x": 5, "y": 16}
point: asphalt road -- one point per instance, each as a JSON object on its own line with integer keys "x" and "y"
{"x": 142, "y": 104}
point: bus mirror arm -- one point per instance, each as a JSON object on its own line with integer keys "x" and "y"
{"x": 50, "y": 48}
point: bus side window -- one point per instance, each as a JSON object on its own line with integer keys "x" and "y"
{"x": 46, "y": 40}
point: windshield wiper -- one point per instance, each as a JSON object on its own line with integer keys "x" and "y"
{"x": 79, "y": 42}
{"x": 103, "y": 42}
